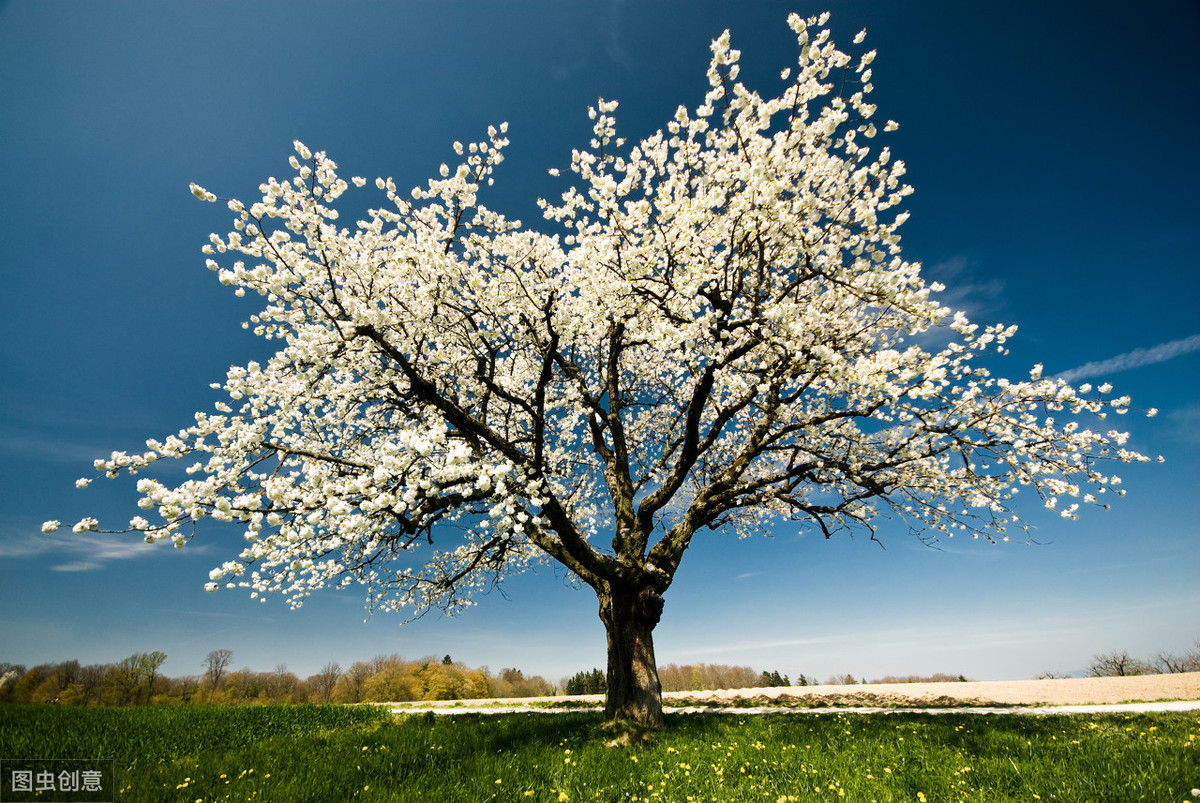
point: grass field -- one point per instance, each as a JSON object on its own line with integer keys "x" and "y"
{"x": 341, "y": 753}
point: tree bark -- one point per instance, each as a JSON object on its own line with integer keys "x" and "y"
{"x": 629, "y": 615}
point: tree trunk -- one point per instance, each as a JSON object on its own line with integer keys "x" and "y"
{"x": 629, "y": 615}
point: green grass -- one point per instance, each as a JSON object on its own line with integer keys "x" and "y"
{"x": 330, "y": 753}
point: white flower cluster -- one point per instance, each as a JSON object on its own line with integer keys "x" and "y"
{"x": 719, "y": 331}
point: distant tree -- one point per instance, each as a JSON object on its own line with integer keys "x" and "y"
{"x": 239, "y": 686}
{"x": 9, "y": 675}
{"x": 10, "y": 670}
{"x": 215, "y": 665}
{"x": 522, "y": 686}
{"x": 350, "y": 687}
{"x": 1170, "y": 662}
{"x": 1117, "y": 664}
{"x": 125, "y": 679}
{"x": 184, "y": 689}
{"x": 474, "y": 684}
{"x": 88, "y": 687}
{"x": 61, "y": 684}
{"x": 389, "y": 680}
{"x": 697, "y": 677}
{"x": 513, "y": 683}
{"x": 321, "y": 685}
{"x": 498, "y": 687}
{"x": 283, "y": 686}
{"x": 714, "y": 330}
{"x": 592, "y": 682}
{"x": 937, "y": 677}
{"x": 148, "y": 666}
{"x": 1192, "y": 659}
{"x": 437, "y": 681}
{"x": 24, "y": 687}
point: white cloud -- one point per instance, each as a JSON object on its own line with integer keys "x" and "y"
{"x": 980, "y": 299}
{"x": 1133, "y": 359}
{"x": 1185, "y": 422}
{"x": 23, "y": 444}
{"x": 68, "y": 552}
{"x": 615, "y": 48}
{"x": 965, "y": 291}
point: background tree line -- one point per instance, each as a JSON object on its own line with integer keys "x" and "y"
{"x": 130, "y": 681}
{"x": 690, "y": 677}
{"x": 703, "y": 677}
{"x": 136, "y": 681}
{"x": 1120, "y": 663}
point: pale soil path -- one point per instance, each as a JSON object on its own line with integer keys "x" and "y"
{"x": 1173, "y": 692}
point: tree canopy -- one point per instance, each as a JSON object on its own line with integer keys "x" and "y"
{"x": 713, "y": 329}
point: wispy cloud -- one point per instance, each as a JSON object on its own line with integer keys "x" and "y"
{"x": 615, "y": 48}
{"x": 1186, "y": 423}
{"x": 22, "y": 444}
{"x": 77, "y": 553}
{"x": 1133, "y": 359}
{"x": 609, "y": 44}
{"x": 965, "y": 291}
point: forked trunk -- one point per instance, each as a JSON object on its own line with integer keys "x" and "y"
{"x": 629, "y": 616}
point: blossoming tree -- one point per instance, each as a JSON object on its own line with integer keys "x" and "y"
{"x": 715, "y": 331}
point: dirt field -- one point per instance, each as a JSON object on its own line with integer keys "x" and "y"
{"x": 1059, "y": 691}
{"x": 1056, "y": 692}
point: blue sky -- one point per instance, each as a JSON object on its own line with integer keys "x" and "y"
{"x": 1052, "y": 148}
